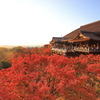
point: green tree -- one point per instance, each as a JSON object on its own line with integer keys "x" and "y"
{"x": 5, "y": 64}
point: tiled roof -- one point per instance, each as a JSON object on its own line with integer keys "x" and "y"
{"x": 91, "y": 30}
{"x": 56, "y": 39}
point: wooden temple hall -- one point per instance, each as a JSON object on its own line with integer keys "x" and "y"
{"x": 85, "y": 39}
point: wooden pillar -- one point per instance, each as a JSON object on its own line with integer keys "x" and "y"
{"x": 97, "y": 45}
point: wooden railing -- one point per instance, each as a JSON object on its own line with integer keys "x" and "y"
{"x": 86, "y": 49}
{"x": 59, "y": 50}
{"x": 81, "y": 49}
{"x": 74, "y": 49}
{"x": 94, "y": 50}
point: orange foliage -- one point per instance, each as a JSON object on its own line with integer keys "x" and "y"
{"x": 36, "y": 76}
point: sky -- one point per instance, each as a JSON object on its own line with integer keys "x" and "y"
{"x": 35, "y": 22}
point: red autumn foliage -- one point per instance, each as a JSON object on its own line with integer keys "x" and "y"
{"x": 43, "y": 76}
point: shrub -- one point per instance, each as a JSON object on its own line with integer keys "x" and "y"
{"x": 5, "y": 64}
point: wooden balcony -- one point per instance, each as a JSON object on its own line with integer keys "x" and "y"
{"x": 87, "y": 50}
{"x": 95, "y": 50}
{"x": 78, "y": 49}
{"x": 59, "y": 50}
{"x": 75, "y": 49}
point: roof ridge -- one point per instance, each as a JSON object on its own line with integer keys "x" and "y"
{"x": 90, "y": 23}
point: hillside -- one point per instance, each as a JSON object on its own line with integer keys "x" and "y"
{"x": 37, "y": 74}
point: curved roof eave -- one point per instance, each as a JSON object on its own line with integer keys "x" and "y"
{"x": 91, "y": 36}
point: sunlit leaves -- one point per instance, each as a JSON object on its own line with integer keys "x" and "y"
{"x": 42, "y": 76}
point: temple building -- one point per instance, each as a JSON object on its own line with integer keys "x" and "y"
{"x": 85, "y": 39}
